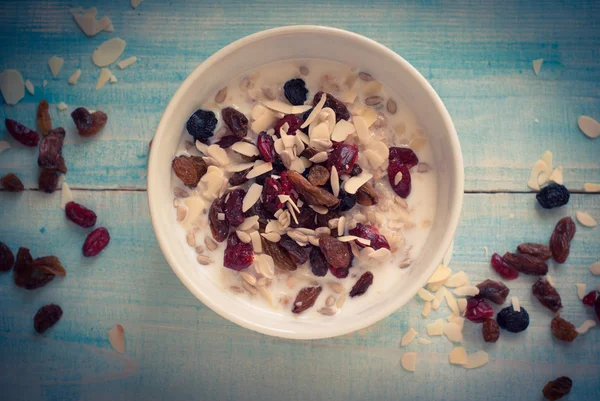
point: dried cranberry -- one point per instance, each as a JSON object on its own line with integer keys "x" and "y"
{"x": 563, "y": 330}
{"x": 201, "y": 125}
{"x": 233, "y": 207}
{"x": 306, "y": 298}
{"x": 296, "y": 252}
{"x": 343, "y": 157}
{"x": 513, "y": 321}
{"x": 12, "y": 183}
{"x": 557, "y": 388}
{"x": 270, "y": 195}
{"x": 404, "y": 156}
{"x": 590, "y": 298}
{"x": 228, "y": 140}
{"x": 478, "y": 310}
{"x": 372, "y": 234}
{"x": 48, "y": 181}
{"x": 235, "y": 121}
{"x": 560, "y": 241}
{"x": 46, "y": 317}
{"x": 490, "y": 331}
{"x": 266, "y": 146}
{"x": 7, "y": 259}
{"x": 80, "y": 215}
{"x": 502, "y": 268}
{"x": 403, "y": 187}
{"x": 21, "y": 133}
{"x": 95, "y": 242}
{"x": 318, "y": 263}
{"x": 339, "y": 272}
{"x": 553, "y": 195}
{"x": 295, "y": 91}
{"x": 87, "y": 123}
{"x": 526, "y": 264}
{"x": 493, "y": 291}
{"x": 340, "y": 109}
{"x": 362, "y": 285}
{"x": 51, "y": 151}
{"x": 547, "y": 295}
{"x": 293, "y": 121}
{"x": 336, "y": 252}
{"x": 219, "y": 228}
{"x": 238, "y": 255}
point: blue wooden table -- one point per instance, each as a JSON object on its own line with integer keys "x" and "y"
{"x": 477, "y": 56}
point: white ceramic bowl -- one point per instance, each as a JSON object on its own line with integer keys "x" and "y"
{"x": 298, "y": 42}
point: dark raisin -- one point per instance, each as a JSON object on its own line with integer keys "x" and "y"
{"x": 189, "y": 169}
{"x": 318, "y": 263}
{"x": 51, "y": 145}
{"x": 318, "y": 175}
{"x": 347, "y": 201}
{"x": 44, "y": 121}
{"x": 7, "y": 259}
{"x": 12, "y": 183}
{"x": 293, "y": 121}
{"x": 493, "y": 291}
{"x": 362, "y": 285}
{"x": 356, "y": 170}
{"x": 235, "y": 121}
{"x": 296, "y": 252}
{"x": 502, "y": 268}
{"x": 404, "y": 156}
{"x": 87, "y": 123}
{"x": 366, "y": 195}
{"x": 233, "y": 207}
{"x": 46, "y": 317}
{"x": 227, "y": 141}
{"x": 340, "y": 109}
{"x": 557, "y": 388}
{"x": 80, "y": 215}
{"x": 218, "y": 228}
{"x": 309, "y": 152}
{"x": 50, "y": 265}
{"x": 322, "y": 220}
{"x": 547, "y": 295}
{"x": 238, "y": 255}
{"x": 560, "y": 241}
{"x": 306, "y": 298}
{"x": 48, "y": 181}
{"x": 26, "y": 275}
{"x": 336, "y": 252}
{"x": 295, "y": 91}
{"x": 201, "y": 125}
{"x": 312, "y": 194}
{"x": 563, "y": 330}
{"x": 590, "y": 298}
{"x": 95, "y": 242}
{"x": 343, "y": 157}
{"x": 21, "y": 133}
{"x": 281, "y": 258}
{"x": 239, "y": 178}
{"x": 513, "y": 321}
{"x": 526, "y": 264}
{"x": 372, "y": 234}
{"x": 490, "y": 331}
{"x": 306, "y": 218}
{"x": 478, "y": 310}
{"x": 403, "y": 187}
{"x": 266, "y": 146}
{"x": 554, "y": 195}
{"x": 540, "y": 251}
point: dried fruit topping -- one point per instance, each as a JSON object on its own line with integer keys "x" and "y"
{"x": 51, "y": 151}
{"x": 266, "y": 146}
{"x": 21, "y": 133}
{"x": 44, "y": 121}
{"x": 372, "y": 234}
{"x": 356, "y": 170}
{"x": 46, "y": 317}
{"x": 540, "y": 251}
{"x": 366, "y": 195}
{"x": 309, "y": 152}
{"x": 219, "y": 228}
{"x": 48, "y": 181}
{"x": 478, "y": 310}
{"x": 563, "y": 330}
{"x": 201, "y": 125}
{"x": 362, "y": 285}
{"x": 87, "y": 123}
{"x": 95, "y": 242}
{"x": 50, "y": 265}
{"x": 339, "y": 272}
{"x": 513, "y": 321}
{"x": 318, "y": 263}
{"x": 80, "y": 215}
{"x": 340, "y": 109}
{"x": 557, "y": 388}
{"x": 490, "y": 331}
{"x": 546, "y": 294}
{"x": 502, "y": 268}
{"x": 597, "y": 308}
{"x": 403, "y": 187}
{"x": 312, "y": 194}
{"x": 306, "y": 298}
{"x": 25, "y": 275}
{"x": 336, "y": 252}
{"x": 12, "y": 183}
{"x": 526, "y": 264}
{"x": 343, "y": 157}
{"x": 295, "y": 91}
{"x": 238, "y": 255}
{"x": 553, "y": 195}
{"x": 322, "y": 220}
{"x": 296, "y": 252}
{"x": 239, "y": 178}
{"x": 306, "y": 219}
{"x": 235, "y": 121}
{"x": 281, "y": 257}
{"x": 560, "y": 241}
{"x": 189, "y": 169}
{"x": 588, "y": 300}
{"x": 347, "y": 201}
{"x": 318, "y": 175}
{"x": 228, "y": 140}
{"x": 404, "y": 156}
{"x": 7, "y": 259}
{"x": 272, "y": 188}
{"x": 293, "y": 121}
{"x": 233, "y": 207}
{"x": 493, "y": 291}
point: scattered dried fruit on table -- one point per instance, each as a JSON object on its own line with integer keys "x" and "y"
{"x": 7, "y": 258}
{"x": 340, "y": 109}
{"x": 547, "y": 294}
{"x": 513, "y": 321}
{"x": 336, "y": 252}
{"x": 343, "y": 156}
{"x": 526, "y": 264}
{"x": 80, "y": 215}
{"x": 50, "y": 265}
{"x": 201, "y": 125}
{"x": 281, "y": 257}
{"x": 95, "y": 242}
{"x": 502, "y": 268}
{"x": 370, "y": 233}
{"x": 362, "y": 285}
{"x": 318, "y": 263}
{"x": 540, "y": 251}
{"x": 21, "y": 133}
{"x": 88, "y": 124}
{"x": 563, "y": 330}
{"x": 403, "y": 187}
{"x": 219, "y": 228}
{"x": 590, "y": 298}
{"x": 312, "y": 194}
{"x": 557, "y": 388}
{"x": 295, "y": 91}
{"x": 366, "y": 195}
{"x": 295, "y": 251}
{"x": 48, "y": 181}
{"x": 553, "y": 195}
{"x": 404, "y": 156}
{"x": 306, "y": 298}
{"x": 44, "y": 121}
{"x": 46, "y": 317}
{"x": 235, "y": 121}
{"x": 50, "y": 156}
{"x": 233, "y": 207}
{"x": 12, "y": 183}
{"x": 318, "y": 175}
{"x": 24, "y": 273}
{"x": 493, "y": 291}
{"x": 560, "y": 241}
{"x": 490, "y": 331}
{"x": 478, "y": 310}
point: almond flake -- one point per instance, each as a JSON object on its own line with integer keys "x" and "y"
{"x": 362, "y": 129}
{"x": 458, "y": 280}
{"x": 466, "y": 291}
{"x": 550, "y": 280}
{"x": 347, "y": 238}
{"x": 453, "y": 332}
{"x": 335, "y": 181}
{"x": 12, "y": 86}
{"x": 251, "y": 197}
{"x": 342, "y": 130}
{"x": 458, "y": 356}
{"x": 424, "y": 294}
{"x": 127, "y": 62}
{"x": 585, "y": 326}
{"x": 244, "y": 148}
{"x": 86, "y": 20}
{"x": 442, "y": 273}
{"x": 452, "y": 304}
{"x": 581, "y": 287}
{"x": 260, "y": 167}
{"x": 235, "y": 168}
{"x": 266, "y": 119}
{"x": 319, "y": 209}
{"x": 29, "y": 87}
{"x": 347, "y": 97}
{"x": 370, "y": 116}
{"x": 271, "y": 237}
{"x": 66, "y": 195}
{"x": 462, "y": 304}
{"x": 116, "y": 338}
{"x": 410, "y": 335}
{"x": 103, "y": 78}
{"x": 292, "y": 212}
{"x": 380, "y": 148}
{"x": 55, "y": 64}
{"x": 557, "y": 176}
{"x": 243, "y": 236}
{"x": 248, "y": 223}
{"x": 398, "y": 178}
{"x": 135, "y": 3}
{"x": 460, "y": 321}
{"x": 409, "y": 361}
{"x": 341, "y": 225}
{"x": 589, "y": 187}
{"x": 375, "y": 160}
{"x": 279, "y": 106}
{"x": 221, "y": 216}
{"x": 585, "y": 219}
{"x": 436, "y": 328}
{"x": 256, "y": 242}
{"x": 303, "y": 137}
{"x": 300, "y": 109}
{"x": 537, "y": 65}
{"x": 545, "y": 174}
{"x": 437, "y": 298}
{"x": 74, "y": 77}
{"x": 315, "y": 112}
{"x": 266, "y": 265}
{"x": 352, "y": 184}
{"x": 595, "y": 269}
{"x": 319, "y": 132}
{"x": 62, "y": 106}
{"x": 538, "y": 168}
{"x": 320, "y": 157}
{"x": 381, "y": 254}
{"x": 4, "y": 145}
{"x": 426, "y": 309}
{"x": 371, "y": 88}
{"x": 476, "y": 360}
{"x": 516, "y": 304}
{"x": 108, "y": 52}
{"x": 589, "y": 126}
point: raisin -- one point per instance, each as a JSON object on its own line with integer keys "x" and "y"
{"x": 239, "y": 178}
{"x": 589, "y": 299}
{"x": 490, "y": 331}
{"x": 371, "y": 233}
{"x": 306, "y": 298}
{"x": 281, "y": 257}
{"x": 322, "y": 220}
{"x": 46, "y": 317}
{"x": 366, "y": 195}
{"x": 339, "y": 272}
{"x": 201, "y": 125}
{"x": 228, "y": 140}
{"x": 318, "y": 175}
{"x": 295, "y": 251}
{"x": 478, "y": 310}
{"x": 293, "y": 121}
{"x": 356, "y": 170}
{"x": 48, "y": 181}
{"x": 21, "y": 133}
{"x": 44, "y": 121}
{"x": 547, "y": 295}
{"x": 50, "y": 265}
{"x": 563, "y": 330}
{"x": 218, "y": 228}
{"x": 50, "y": 156}
{"x": 95, "y": 242}
{"x": 403, "y": 187}
{"x": 560, "y": 241}
{"x": 404, "y": 156}
{"x": 554, "y": 195}
{"x": 318, "y": 263}
{"x": 336, "y": 252}
{"x": 526, "y": 264}
{"x": 266, "y": 146}
{"x": 597, "y": 308}
{"x": 347, "y": 201}
{"x": 80, "y": 215}
{"x": 238, "y": 255}
{"x": 340, "y": 109}
{"x": 493, "y": 291}
{"x": 540, "y": 251}
{"x": 343, "y": 158}
{"x": 26, "y": 275}
{"x": 295, "y": 91}
{"x": 189, "y": 169}
{"x": 306, "y": 218}
{"x": 513, "y": 321}
{"x": 7, "y": 259}
{"x": 502, "y": 268}
{"x": 235, "y": 121}
{"x": 88, "y": 124}
{"x": 557, "y": 388}
{"x": 309, "y": 152}
{"x": 312, "y": 194}
{"x": 233, "y": 207}
{"x": 12, "y": 183}
{"x": 362, "y": 285}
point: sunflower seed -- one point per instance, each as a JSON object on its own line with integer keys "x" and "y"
{"x": 341, "y": 226}
{"x": 320, "y": 231}
{"x": 191, "y": 238}
{"x": 391, "y": 106}
{"x": 181, "y": 212}
{"x": 249, "y": 278}
{"x": 365, "y": 76}
{"x": 337, "y": 288}
{"x": 199, "y": 249}
{"x": 236, "y": 289}
{"x": 303, "y": 70}
{"x": 221, "y": 95}
{"x": 373, "y": 100}
{"x": 210, "y": 244}
{"x": 180, "y": 193}
{"x": 256, "y": 242}
{"x": 249, "y": 288}
{"x": 330, "y": 301}
{"x": 204, "y": 260}
{"x": 326, "y": 311}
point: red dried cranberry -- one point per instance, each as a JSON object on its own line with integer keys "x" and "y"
{"x": 362, "y": 285}
{"x": 80, "y": 215}
{"x": 503, "y": 269}
{"x": 286, "y": 185}
{"x": 238, "y": 255}
{"x": 371, "y": 233}
{"x": 403, "y": 156}
{"x": 266, "y": 146}
{"x": 294, "y": 122}
{"x": 270, "y": 195}
{"x": 403, "y": 187}
{"x": 343, "y": 157}
{"x": 95, "y": 242}
{"x": 590, "y": 298}
{"x": 478, "y": 310}
{"x": 233, "y": 207}
{"x": 21, "y": 133}
{"x": 318, "y": 263}
{"x": 339, "y": 272}
{"x": 228, "y": 140}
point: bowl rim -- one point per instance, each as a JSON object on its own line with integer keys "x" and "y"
{"x": 457, "y": 193}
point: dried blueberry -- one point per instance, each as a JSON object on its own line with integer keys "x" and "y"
{"x": 201, "y": 125}
{"x": 295, "y": 91}
{"x": 347, "y": 201}
{"x": 513, "y": 321}
{"x": 318, "y": 263}
{"x": 554, "y": 195}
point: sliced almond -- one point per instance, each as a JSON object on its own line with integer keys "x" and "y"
{"x": 453, "y": 332}
{"x": 116, "y": 338}
{"x": 266, "y": 120}
{"x": 476, "y": 360}
{"x": 589, "y": 126}
{"x": 466, "y": 291}
{"x": 595, "y": 269}
{"x": 342, "y": 130}
{"x": 319, "y": 157}
{"x": 458, "y": 356}
{"x": 219, "y": 154}
{"x": 545, "y": 174}
{"x": 442, "y": 273}
{"x": 248, "y": 223}
{"x": 407, "y": 338}
{"x": 370, "y": 116}
{"x": 279, "y": 106}
{"x": 452, "y": 304}
{"x": 260, "y": 167}
{"x": 256, "y": 242}
{"x": 272, "y": 237}
{"x": 252, "y": 196}
{"x": 458, "y": 280}
{"x": 462, "y": 304}
{"x": 590, "y": 187}
{"x": 585, "y": 326}
{"x": 352, "y": 184}
{"x": 557, "y": 175}
{"x": 266, "y": 265}
{"x": 335, "y": 181}
{"x": 301, "y": 109}
{"x": 426, "y": 309}
{"x": 319, "y": 209}
{"x": 375, "y": 160}
{"x": 409, "y": 361}
{"x": 538, "y": 168}
{"x": 362, "y": 129}
{"x": 436, "y": 328}
{"x": 236, "y": 168}
{"x": 243, "y": 236}
{"x": 315, "y": 112}
{"x": 425, "y": 295}
{"x": 585, "y": 219}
